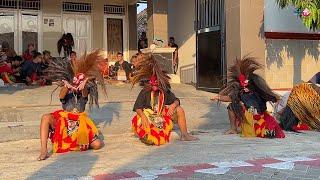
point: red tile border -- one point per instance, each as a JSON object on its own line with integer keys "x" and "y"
{"x": 116, "y": 176}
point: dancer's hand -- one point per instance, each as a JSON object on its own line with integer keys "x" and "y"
{"x": 145, "y": 122}
{"x": 82, "y": 85}
{"x": 171, "y": 109}
{"x": 68, "y": 85}
{"x": 215, "y": 98}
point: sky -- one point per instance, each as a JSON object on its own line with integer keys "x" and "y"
{"x": 141, "y": 7}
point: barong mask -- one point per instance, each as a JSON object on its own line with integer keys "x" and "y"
{"x": 154, "y": 83}
{"x": 85, "y": 70}
{"x": 244, "y": 82}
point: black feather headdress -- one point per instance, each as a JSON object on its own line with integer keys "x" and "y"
{"x": 148, "y": 66}
{"x": 60, "y": 70}
{"x": 246, "y": 67}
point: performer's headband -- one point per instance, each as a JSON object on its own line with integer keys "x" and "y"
{"x": 243, "y": 80}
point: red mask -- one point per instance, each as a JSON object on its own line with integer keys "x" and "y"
{"x": 78, "y": 79}
{"x": 243, "y": 80}
{"x": 154, "y": 83}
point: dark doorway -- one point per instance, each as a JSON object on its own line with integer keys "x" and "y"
{"x": 210, "y": 66}
{"x": 114, "y": 37}
{"x": 210, "y": 44}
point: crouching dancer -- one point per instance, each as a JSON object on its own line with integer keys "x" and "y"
{"x": 157, "y": 107}
{"x": 248, "y": 94}
{"x": 70, "y": 129}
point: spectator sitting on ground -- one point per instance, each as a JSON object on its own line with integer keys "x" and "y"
{"x": 28, "y": 54}
{"x": 5, "y": 69}
{"x": 46, "y": 60}
{"x": 8, "y": 52}
{"x": 31, "y": 69}
{"x": 16, "y": 65}
{"x": 121, "y": 64}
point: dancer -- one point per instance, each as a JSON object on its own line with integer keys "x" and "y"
{"x": 70, "y": 129}
{"x": 156, "y": 106}
{"x": 302, "y": 111}
{"x": 248, "y": 94}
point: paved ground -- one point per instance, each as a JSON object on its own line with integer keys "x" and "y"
{"x": 21, "y": 110}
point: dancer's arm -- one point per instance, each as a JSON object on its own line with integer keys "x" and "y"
{"x": 144, "y": 119}
{"x": 221, "y": 98}
{"x": 63, "y": 92}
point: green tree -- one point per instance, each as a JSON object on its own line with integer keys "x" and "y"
{"x": 308, "y": 11}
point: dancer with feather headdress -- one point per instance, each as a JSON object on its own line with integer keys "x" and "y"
{"x": 156, "y": 106}
{"x": 248, "y": 94}
{"x": 70, "y": 129}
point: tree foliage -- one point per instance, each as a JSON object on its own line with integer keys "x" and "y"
{"x": 311, "y": 21}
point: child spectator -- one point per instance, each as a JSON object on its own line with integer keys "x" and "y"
{"x": 31, "y": 69}
{"x": 16, "y": 65}
{"x": 28, "y": 54}
{"x": 9, "y": 52}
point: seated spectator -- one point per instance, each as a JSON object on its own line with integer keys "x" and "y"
{"x": 121, "y": 64}
{"x": 31, "y": 69}
{"x": 16, "y": 65}
{"x": 46, "y": 60}
{"x": 7, "y": 51}
{"x": 5, "y": 70}
{"x": 28, "y": 54}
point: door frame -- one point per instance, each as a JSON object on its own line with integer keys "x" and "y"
{"x": 89, "y": 26}
{"x": 15, "y": 27}
{"x": 17, "y": 13}
{"x": 124, "y": 33}
{"x": 222, "y": 28}
{"x": 40, "y": 34}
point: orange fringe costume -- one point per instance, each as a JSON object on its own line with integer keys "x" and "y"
{"x": 158, "y": 133}
{"x": 64, "y": 142}
{"x": 73, "y": 129}
{"x": 249, "y": 94}
{"x": 260, "y": 125}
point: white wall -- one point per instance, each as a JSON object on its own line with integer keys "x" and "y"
{"x": 282, "y": 20}
{"x": 181, "y": 16}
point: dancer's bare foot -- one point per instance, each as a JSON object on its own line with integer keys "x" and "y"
{"x": 231, "y": 131}
{"x": 43, "y": 156}
{"x": 188, "y": 137}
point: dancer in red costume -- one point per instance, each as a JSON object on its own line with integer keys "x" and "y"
{"x": 248, "y": 94}
{"x": 157, "y": 107}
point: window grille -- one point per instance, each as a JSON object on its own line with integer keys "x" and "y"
{"x": 12, "y": 4}
{"x": 30, "y": 4}
{"x": 112, "y": 9}
{"x": 76, "y": 7}
{"x": 22, "y": 4}
{"x": 209, "y": 13}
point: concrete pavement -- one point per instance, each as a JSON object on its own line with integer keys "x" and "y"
{"x": 21, "y": 110}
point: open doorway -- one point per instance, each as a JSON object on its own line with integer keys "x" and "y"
{"x": 142, "y": 25}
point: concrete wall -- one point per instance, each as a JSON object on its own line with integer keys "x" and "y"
{"x": 251, "y": 30}
{"x": 181, "y": 27}
{"x": 233, "y": 38}
{"x": 133, "y": 39}
{"x": 288, "y": 62}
